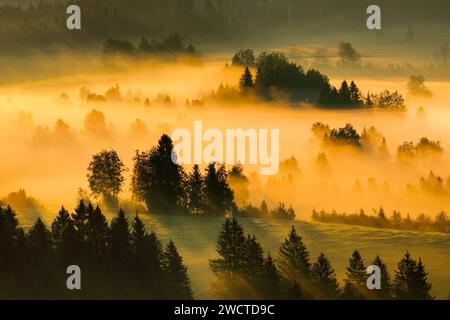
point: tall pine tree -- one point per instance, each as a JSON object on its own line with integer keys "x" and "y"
{"x": 178, "y": 283}
{"x": 324, "y": 278}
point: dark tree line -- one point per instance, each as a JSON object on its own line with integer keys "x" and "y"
{"x": 43, "y": 23}
{"x": 277, "y": 77}
{"x": 441, "y": 223}
{"x": 117, "y": 260}
{"x": 170, "y": 44}
{"x": 165, "y": 187}
{"x": 243, "y": 271}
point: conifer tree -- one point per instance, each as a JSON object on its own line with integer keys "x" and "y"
{"x": 219, "y": 196}
{"x": 324, "y": 278}
{"x": 120, "y": 247}
{"x": 39, "y": 242}
{"x": 196, "y": 198}
{"x": 271, "y": 284}
{"x": 158, "y": 179}
{"x": 97, "y": 235}
{"x": 293, "y": 261}
{"x": 8, "y": 236}
{"x": 246, "y": 80}
{"x": 410, "y": 282}
{"x": 230, "y": 247}
{"x": 355, "y": 283}
{"x": 64, "y": 237}
{"x": 252, "y": 259}
{"x": 422, "y": 287}
{"x": 386, "y": 285}
{"x": 178, "y": 281}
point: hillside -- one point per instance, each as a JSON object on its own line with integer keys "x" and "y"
{"x": 196, "y": 239}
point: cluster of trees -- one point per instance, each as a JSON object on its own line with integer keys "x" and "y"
{"x": 369, "y": 140}
{"x": 280, "y": 212}
{"x": 166, "y": 188}
{"x": 276, "y": 77}
{"x": 434, "y": 184}
{"x": 170, "y": 44}
{"x": 114, "y": 95}
{"x": 425, "y": 147}
{"x": 244, "y": 271}
{"x": 441, "y": 223}
{"x": 416, "y": 86}
{"x": 116, "y": 261}
{"x": 44, "y": 23}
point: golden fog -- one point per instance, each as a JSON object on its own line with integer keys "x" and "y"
{"x": 48, "y": 132}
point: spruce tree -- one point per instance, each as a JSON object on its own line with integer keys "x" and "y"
{"x": 219, "y": 196}
{"x": 8, "y": 236}
{"x": 293, "y": 261}
{"x": 39, "y": 242}
{"x": 355, "y": 283}
{"x": 271, "y": 287}
{"x": 120, "y": 247}
{"x": 157, "y": 178}
{"x": 253, "y": 259}
{"x": 230, "y": 247}
{"x": 64, "y": 238}
{"x": 196, "y": 198}
{"x": 97, "y": 235}
{"x": 410, "y": 282}
{"x": 178, "y": 282}
{"x": 404, "y": 277}
{"x": 324, "y": 278}
{"x": 386, "y": 285}
{"x": 246, "y": 80}
{"x": 421, "y": 288}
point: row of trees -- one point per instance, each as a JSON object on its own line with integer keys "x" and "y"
{"x": 117, "y": 261}
{"x": 441, "y": 222}
{"x": 243, "y": 271}
{"x": 170, "y": 44}
{"x": 166, "y": 188}
{"x": 280, "y": 212}
{"x": 276, "y": 77}
{"x": 44, "y": 23}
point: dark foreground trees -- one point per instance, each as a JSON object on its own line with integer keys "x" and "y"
{"x": 116, "y": 261}
{"x": 243, "y": 272}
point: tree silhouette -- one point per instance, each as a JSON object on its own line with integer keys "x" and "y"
{"x": 219, "y": 196}
{"x": 246, "y": 80}
{"x": 271, "y": 285}
{"x": 157, "y": 179}
{"x": 324, "y": 278}
{"x": 65, "y": 238}
{"x": 120, "y": 247}
{"x": 410, "y": 280}
{"x": 293, "y": 260}
{"x": 196, "y": 198}
{"x": 177, "y": 278}
{"x": 245, "y": 58}
{"x": 386, "y": 285}
{"x": 230, "y": 247}
{"x": 105, "y": 176}
{"x": 355, "y": 284}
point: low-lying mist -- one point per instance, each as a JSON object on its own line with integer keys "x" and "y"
{"x": 49, "y": 130}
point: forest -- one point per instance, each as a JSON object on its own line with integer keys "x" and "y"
{"x": 123, "y": 262}
{"x": 88, "y": 128}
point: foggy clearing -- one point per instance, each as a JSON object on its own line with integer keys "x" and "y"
{"x": 50, "y": 141}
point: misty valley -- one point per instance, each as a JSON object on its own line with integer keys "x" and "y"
{"x": 224, "y": 151}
